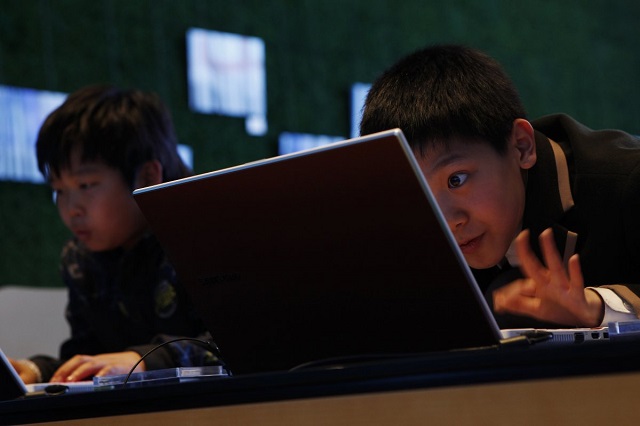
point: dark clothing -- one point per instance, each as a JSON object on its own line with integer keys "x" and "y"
{"x": 595, "y": 215}
{"x": 127, "y": 300}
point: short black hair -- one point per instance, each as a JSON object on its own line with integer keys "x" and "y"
{"x": 122, "y": 128}
{"x": 443, "y": 92}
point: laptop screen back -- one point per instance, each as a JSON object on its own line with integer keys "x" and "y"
{"x": 334, "y": 252}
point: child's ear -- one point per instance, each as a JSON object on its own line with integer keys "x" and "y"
{"x": 150, "y": 173}
{"x": 523, "y": 139}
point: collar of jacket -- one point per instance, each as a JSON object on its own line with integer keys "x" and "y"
{"x": 549, "y": 196}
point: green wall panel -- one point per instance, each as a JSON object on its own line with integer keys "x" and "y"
{"x": 579, "y": 57}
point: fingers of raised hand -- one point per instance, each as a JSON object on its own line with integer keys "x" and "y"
{"x": 552, "y": 259}
{"x": 529, "y": 262}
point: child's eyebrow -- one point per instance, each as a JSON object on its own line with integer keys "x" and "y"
{"x": 446, "y": 159}
{"x": 85, "y": 170}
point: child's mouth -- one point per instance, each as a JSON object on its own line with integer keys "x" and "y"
{"x": 471, "y": 245}
{"x": 82, "y": 235}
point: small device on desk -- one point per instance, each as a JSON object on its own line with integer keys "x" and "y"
{"x": 159, "y": 377}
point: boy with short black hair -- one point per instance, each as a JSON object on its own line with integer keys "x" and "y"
{"x": 499, "y": 178}
{"x": 124, "y": 297}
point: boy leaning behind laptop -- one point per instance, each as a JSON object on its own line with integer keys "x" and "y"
{"x": 545, "y": 212}
{"x": 94, "y": 150}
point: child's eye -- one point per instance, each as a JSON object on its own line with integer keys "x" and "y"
{"x": 457, "y": 180}
{"x": 87, "y": 185}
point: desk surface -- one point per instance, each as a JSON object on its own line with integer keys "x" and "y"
{"x": 602, "y": 372}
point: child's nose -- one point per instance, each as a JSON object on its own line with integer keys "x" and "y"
{"x": 457, "y": 219}
{"x": 74, "y": 205}
{"x": 455, "y": 215}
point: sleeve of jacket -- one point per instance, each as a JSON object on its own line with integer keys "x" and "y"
{"x": 47, "y": 366}
{"x": 81, "y": 340}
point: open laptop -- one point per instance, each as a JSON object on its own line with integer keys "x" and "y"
{"x": 12, "y": 386}
{"x": 335, "y": 252}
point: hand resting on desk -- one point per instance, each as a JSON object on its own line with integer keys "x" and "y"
{"x": 81, "y": 367}
{"x": 25, "y": 369}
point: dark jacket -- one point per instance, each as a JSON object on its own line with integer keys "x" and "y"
{"x": 121, "y": 301}
{"x": 586, "y": 186}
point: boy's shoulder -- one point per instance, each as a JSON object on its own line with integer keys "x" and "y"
{"x": 591, "y": 151}
{"x": 564, "y": 128}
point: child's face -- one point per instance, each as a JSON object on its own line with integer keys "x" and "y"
{"x": 96, "y": 204}
{"x": 481, "y": 194}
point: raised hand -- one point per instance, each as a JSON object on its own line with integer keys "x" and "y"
{"x": 549, "y": 291}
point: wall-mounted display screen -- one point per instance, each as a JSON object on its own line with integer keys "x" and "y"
{"x": 22, "y": 112}
{"x": 289, "y": 142}
{"x": 226, "y": 75}
{"x": 358, "y": 95}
